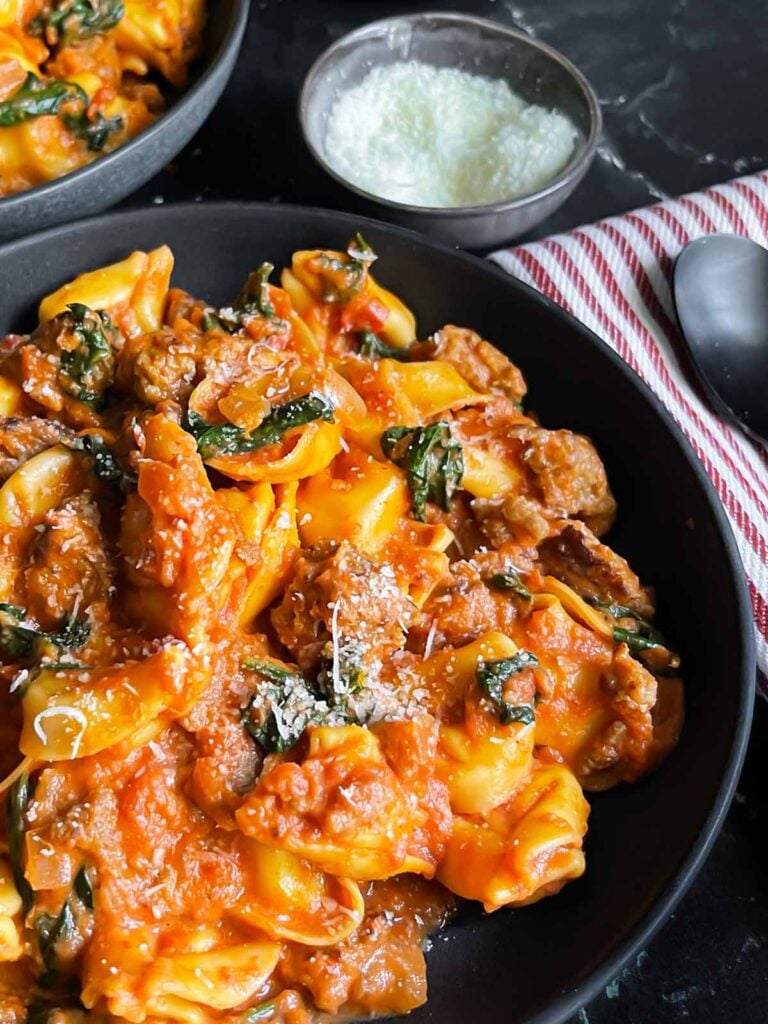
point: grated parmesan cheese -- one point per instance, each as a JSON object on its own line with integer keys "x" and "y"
{"x": 60, "y": 711}
{"x": 441, "y": 137}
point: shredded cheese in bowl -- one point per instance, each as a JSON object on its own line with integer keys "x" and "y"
{"x": 442, "y": 137}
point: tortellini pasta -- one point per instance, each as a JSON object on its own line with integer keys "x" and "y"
{"x": 304, "y": 632}
{"x": 362, "y": 820}
{"x": 523, "y": 850}
{"x": 74, "y": 78}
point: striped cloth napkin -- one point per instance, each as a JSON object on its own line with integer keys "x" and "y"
{"x": 614, "y": 276}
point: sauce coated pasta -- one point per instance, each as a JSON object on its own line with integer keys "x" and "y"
{"x": 80, "y": 77}
{"x": 306, "y": 628}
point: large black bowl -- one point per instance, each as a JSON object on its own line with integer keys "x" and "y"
{"x": 112, "y": 177}
{"x": 646, "y": 842}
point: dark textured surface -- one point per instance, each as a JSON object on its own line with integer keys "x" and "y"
{"x": 683, "y": 91}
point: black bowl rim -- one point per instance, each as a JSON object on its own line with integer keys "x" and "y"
{"x": 236, "y": 26}
{"x": 568, "y": 1003}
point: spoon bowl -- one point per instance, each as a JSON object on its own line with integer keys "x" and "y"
{"x": 721, "y": 296}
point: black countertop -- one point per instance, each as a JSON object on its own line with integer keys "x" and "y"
{"x": 683, "y": 89}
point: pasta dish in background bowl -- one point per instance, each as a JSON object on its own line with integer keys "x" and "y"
{"x": 96, "y": 96}
{"x": 75, "y": 78}
{"x": 307, "y": 628}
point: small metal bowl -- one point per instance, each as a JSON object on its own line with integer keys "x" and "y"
{"x": 534, "y": 70}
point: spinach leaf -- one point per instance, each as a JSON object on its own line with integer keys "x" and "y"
{"x": 19, "y": 635}
{"x": 287, "y": 703}
{"x": 278, "y": 713}
{"x": 73, "y": 633}
{"x": 510, "y": 580}
{"x": 83, "y": 889}
{"x": 433, "y": 462}
{"x": 93, "y": 131}
{"x": 268, "y": 669}
{"x": 643, "y": 637}
{"x": 16, "y": 639}
{"x": 17, "y": 801}
{"x": 94, "y": 334}
{"x": 639, "y": 640}
{"x": 343, "y": 277}
{"x": 194, "y": 424}
{"x": 491, "y": 676}
{"x": 295, "y": 413}
{"x": 254, "y": 298}
{"x": 227, "y": 439}
{"x": 50, "y": 931}
{"x": 211, "y": 320}
{"x": 261, "y": 1012}
{"x": 374, "y": 348}
{"x": 616, "y": 611}
{"x": 104, "y": 464}
{"x": 71, "y": 21}
{"x": 253, "y": 301}
{"x": 36, "y": 98}
{"x": 342, "y": 675}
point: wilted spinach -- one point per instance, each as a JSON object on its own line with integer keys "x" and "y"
{"x": 83, "y": 889}
{"x": 279, "y": 712}
{"x": 103, "y": 462}
{"x": 373, "y": 347}
{"x": 644, "y": 636}
{"x": 491, "y": 677}
{"x": 510, "y": 580}
{"x": 37, "y": 98}
{"x": 19, "y": 636}
{"x": 253, "y": 301}
{"x": 227, "y": 439}
{"x": 50, "y": 931}
{"x": 342, "y": 278}
{"x": 92, "y": 335}
{"x": 287, "y": 702}
{"x": 71, "y": 21}
{"x": 17, "y": 801}
{"x": 62, "y": 927}
{"x": 432, "y": 460}
{"x": 93, "y": 131}
{"x": 342, "y": 674}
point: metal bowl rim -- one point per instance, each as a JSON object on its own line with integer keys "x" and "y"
{"x": 571, "y": 173}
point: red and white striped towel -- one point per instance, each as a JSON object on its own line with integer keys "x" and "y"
{"x": 614, "y": 276}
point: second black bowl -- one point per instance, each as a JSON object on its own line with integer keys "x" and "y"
{"x": 112, "y": 177}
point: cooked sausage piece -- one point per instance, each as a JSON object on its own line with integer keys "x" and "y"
{"x": 574, "y": 555}
{"x": 160, "y": 366}
{"x": 479, "y": 363}
{"x": 69, "y": 564}
{"x": 569, "y": 475}
{"x": 341, "y": 595}
{"x": 23, "y": 437}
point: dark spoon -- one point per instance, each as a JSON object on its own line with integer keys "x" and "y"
{"x": 721, "y": 295}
